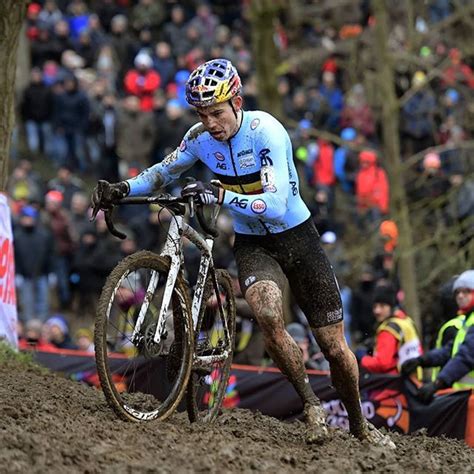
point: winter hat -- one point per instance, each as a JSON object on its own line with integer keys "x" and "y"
{"x": 432, "y": 160}
{"x": 368, "y": 156}
{"x": 29, "y": 211}
{"x": 297, "y": 332}
{"x": 385, "y": 295}
{"x": 143, "y": 59}
{"x": 328, "y": 237}
{"x": 58, "y": 321}
{"x": 465, "y": 280}
{"x": 348, "y": 134}
{"x": 54, "y": 196}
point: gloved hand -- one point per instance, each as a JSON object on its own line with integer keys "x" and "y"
{"x": 203, "y": 193}
{"x": 410, "y": 365}
{"x": 105, "y": 193}
{"x": 427, "y": 391}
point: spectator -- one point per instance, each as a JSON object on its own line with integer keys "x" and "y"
{"x": 396, "y": 338}
{"x": 164, "y": 63}
{"x": 84, "y": 340}
{"x": 36, "y": 113}
{"x": 135, "y": 135}
{"x": 79, "y": 217}
{"x": 34, "y": 257}
{"x": 357, "y": 113}
{"x": 334, "y": 98}
{"x": 456, "y": 359}
{"x": 457, "y": 72}
{"x": 33, "y": 337}
{"x": 298, "y": 332}
{"x": 148, "y": 14}
{"x": 60, "y": 226}
{"x": 363, "y": 320}
{"x": 70, "y": 121}
{"x": 346, "y": 161}
{"x": 174, "y": 32}
{"x": 23, "y": 186}
{"x": 49, "y": 15}
{"x": 57, "y": 333}
{"x": 67, "y": 183}
{"x": 372, "y": 189}
{"x": 335, "y": 253}
{"x": 417, "y": 117}
{"x": 143, "y": 81}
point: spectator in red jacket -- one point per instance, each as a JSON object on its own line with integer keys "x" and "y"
{"x": 396, "y": 338}
{"x": 457, "y": 72}
{"x": 143, "y": 81}
{"x": 372, "y": 188}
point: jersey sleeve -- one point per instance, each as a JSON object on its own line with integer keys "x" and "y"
{"x": 167, "y": 170}
{"x": 272, "y": 148}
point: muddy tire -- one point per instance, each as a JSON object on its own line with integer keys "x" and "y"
{"x": 142, "y": 380}
{"x": 207, "y": 388}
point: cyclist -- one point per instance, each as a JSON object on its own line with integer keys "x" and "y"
{"x": 251, "y": 154}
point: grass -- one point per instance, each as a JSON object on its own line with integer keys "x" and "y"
{"x": 9, "y": 357}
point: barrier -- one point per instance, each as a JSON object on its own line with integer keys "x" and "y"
{"x": 387, "y": 401}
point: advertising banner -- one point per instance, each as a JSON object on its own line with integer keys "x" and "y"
{"x": 8, "y": 310}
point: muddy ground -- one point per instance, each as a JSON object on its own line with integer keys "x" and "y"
{"x": 52, "y": 424}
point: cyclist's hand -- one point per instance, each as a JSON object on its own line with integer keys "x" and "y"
{"x": 105, "y": 194}
{"x": 426, "y": 392}
{"x": 203, "y": 193}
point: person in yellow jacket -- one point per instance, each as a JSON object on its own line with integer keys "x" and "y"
{"x": 457, "y": 358}
{"x": 396, "y": 337}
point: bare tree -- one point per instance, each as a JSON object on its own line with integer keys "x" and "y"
{"x": 12, "y": 14}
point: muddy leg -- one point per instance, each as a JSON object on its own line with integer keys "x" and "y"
{"x": 265, "y": 299}
{"x": 344, "y": 373}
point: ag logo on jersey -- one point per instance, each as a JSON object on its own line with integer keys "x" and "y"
{"x": 259, "y": 206}
{"x": 182, "y": 146}
{"x": 254, "y": 123}
{"x": 219, "y": 156}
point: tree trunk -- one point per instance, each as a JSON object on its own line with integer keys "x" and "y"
{"x": 12, "y": 14}
{"x": 263, "y": 15}
{"x": 391, "y": 141}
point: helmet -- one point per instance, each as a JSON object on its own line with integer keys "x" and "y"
{"x": 465, "y": 280}
{"x": 213, "y": 82}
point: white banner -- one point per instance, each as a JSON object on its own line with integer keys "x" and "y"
{"x": 8, "y": 310}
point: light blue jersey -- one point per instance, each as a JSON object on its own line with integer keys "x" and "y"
{"x": 255, "y": 167}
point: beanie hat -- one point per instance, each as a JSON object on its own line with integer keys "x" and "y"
{"x": 465, "y": 280}
{"x": 348, "y": 134}
{"x": 385, "y": 295}
{"x": 59, "y": 322}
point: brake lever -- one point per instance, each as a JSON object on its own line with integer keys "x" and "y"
{"x": 188, "y": 180}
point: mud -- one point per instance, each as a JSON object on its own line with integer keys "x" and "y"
{"x": 51, "y": 424}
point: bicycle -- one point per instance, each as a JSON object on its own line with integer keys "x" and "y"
{"x": 172, "y": 346}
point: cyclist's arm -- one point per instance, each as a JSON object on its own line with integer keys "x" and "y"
{"x": 272, "y": 147}
{"x": 163, "y": 173}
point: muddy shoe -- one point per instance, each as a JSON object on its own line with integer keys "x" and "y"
{"x": 315, "y": 419}
{"x": 376, "y": 437}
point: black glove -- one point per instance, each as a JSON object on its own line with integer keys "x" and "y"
{"x": 410, "y": 365}
{"x": 105, "y": 194}
{"x": 203, "y": 193}
{"x": 426, "y": 392}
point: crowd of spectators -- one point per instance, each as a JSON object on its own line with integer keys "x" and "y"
{"x": 106, "y": 99}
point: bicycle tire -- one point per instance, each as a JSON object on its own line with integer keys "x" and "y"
{"x": 195, "y": 396}
{"x": 125, "y": 402}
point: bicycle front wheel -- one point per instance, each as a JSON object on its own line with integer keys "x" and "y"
{"x": 214, "y": 345}
{"x": 143, "y": 379}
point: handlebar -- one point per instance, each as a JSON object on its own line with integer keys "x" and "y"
{"x": 175, "y": 204}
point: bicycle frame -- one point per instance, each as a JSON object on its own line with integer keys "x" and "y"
{"x": 173, "y": 250}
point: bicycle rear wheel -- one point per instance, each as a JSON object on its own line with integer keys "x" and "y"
{"x": 214, "y": 337}
{"x": 141, "y": 379}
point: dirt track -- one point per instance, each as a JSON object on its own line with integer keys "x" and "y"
{"x": 51, "y": 424}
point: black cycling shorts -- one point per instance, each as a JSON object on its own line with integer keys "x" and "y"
{"x": 297, "y": 255}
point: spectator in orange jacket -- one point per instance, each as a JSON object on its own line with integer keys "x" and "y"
{"x": 143, "y": 81}
{"x": 372, "y": 188}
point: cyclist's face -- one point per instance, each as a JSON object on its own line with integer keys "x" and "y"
{"x": 220, "y": 120}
